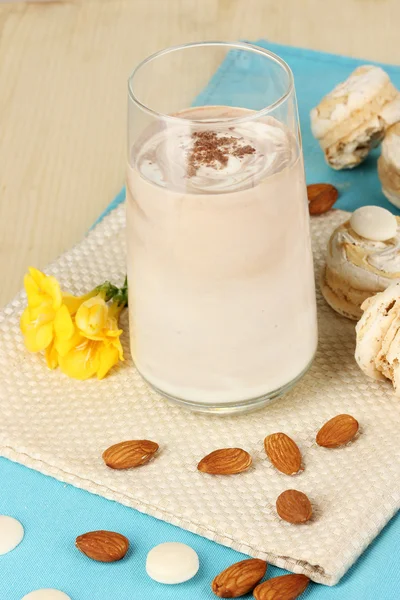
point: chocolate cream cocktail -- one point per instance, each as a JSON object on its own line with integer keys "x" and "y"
{"x": 221, "y": 285}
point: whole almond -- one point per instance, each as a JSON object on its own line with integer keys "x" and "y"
{"x": 103, "y": 546}
{"x": 126, "y": 455}
{"x": 338, "y": 431}
{"x": 239, "y": 579}
{"x": 294, "y": 506}
{"x": 283, "y": 452}
{"x": 227, "y": 461}
{"x": 285, "y": 587}
{"x": 321, "y": 197}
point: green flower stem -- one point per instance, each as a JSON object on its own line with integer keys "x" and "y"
{"x": 121, "y": 297}
{"x": 107, "y": 290}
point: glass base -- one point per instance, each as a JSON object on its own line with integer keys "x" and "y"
{"x": 232, "y": 408}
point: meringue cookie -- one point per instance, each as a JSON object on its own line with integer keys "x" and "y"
{"x": 389, "y": 165}
{"x": 353, "y": 117}
{"x": 378, "y": 336}
{"x": 357, "y": 268}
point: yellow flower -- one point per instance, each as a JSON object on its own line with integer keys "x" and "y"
{"x": 78, "y": 333}
{"x": 97, "y": 347}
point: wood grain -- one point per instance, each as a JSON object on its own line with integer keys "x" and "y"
{"x": 63, "y": 71}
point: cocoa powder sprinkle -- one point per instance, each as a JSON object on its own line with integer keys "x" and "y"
{"x": 212, "y": 150}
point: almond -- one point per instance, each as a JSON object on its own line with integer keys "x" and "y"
{"x": 126, "y": 455}
{"x": 283, "y": 453}
{"x": 103, "y": 546}
{"x": 226, "y": 461}
{"x": 321, "y": 197}
{"x": 338, "y": 431}
{"x": 294, "y": 506}
{"x": 285, "y": 587}
{"x": 239, "y": 579}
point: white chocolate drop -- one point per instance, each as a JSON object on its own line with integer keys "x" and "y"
{"x": 172, "y": 562}
{"x": 11, "y": 533}
{"x": 374, "y": 223}
{"x": 46, "y": 594}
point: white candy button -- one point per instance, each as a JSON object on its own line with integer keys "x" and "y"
{"x": 374, "y": 223}
{"x": 11, "y": 534}
{"x": 172, "y": 562}
{"x": 46, "y": 594}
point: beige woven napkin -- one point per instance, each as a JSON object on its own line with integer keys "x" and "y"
{"x": 60, "y": 427}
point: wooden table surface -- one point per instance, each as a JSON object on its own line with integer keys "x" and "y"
{"x": 63, "y": 72}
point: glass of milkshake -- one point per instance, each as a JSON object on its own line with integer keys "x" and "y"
{"x": 222, "y": 303}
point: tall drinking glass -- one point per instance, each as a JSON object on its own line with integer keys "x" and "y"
{"x": 221, "y": 287}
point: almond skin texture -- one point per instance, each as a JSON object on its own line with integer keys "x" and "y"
{"x": 103, "y": 546}
{"x": 227, "y": 461}
{"x": 283, "y": 452}
{"x": 338, "y": 431}
{"x": 286, "y": 587}
{"x": 126, "y": 455}
{"x": 239, "y": 579}
{"x": 294, "y": 507}
{"x": 321, "y": 197}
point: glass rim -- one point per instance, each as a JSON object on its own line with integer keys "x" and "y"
{"x": 238, "y": 45}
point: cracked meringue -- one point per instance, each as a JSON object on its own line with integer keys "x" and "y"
{"x": 353, "y": 117}
{"x": 378, "y": 337}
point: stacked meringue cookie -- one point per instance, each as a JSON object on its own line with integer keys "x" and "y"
{"x": 378, "y": 337}
{"x": 353, "y": 118}
{"x": 363, "y": 258}
{"x": 361, "y": 280}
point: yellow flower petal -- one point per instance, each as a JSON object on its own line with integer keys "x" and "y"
{"x": 105, "y": 335}
{"x": 116, "y": 343}
{"x": 30, "y": 341}
{"x": 29, "y": 331}
{"x": 37, "y": 276}
{"x": 25, "y": 321}
{"x": 51, "y": 356}
{"x": 30, "y": 285}
{"x": 63, "y": 325}
{"x": 81, "y": 362}
{"x": 108, "y": 358}
{"x": 38, "y": 332}
{"x": 65, "y": 346}
{"x": 34, "y": 293}
{"x": 51, "y": 288}
{"x": 44, "y": 335}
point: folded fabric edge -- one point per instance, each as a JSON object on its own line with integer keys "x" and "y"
{"x": 315, "y": 572}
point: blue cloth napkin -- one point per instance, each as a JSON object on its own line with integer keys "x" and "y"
{"x": 54, "y": 513}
